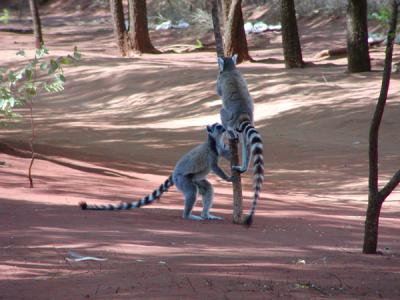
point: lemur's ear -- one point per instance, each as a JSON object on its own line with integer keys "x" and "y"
{"x": 234, "y": 58}
{"x": 220, "y": 63}
{"x": 209, "y": 129}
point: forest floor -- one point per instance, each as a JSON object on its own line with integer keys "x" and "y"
{"x": 120, "y": 126}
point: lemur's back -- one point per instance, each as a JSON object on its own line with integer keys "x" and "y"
{"x": 195, "y": 161}
{"x": 236, "y": 99}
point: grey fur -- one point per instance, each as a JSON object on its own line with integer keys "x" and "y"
{"x": 237, "y": 117}
{"x": 189, "y": 176}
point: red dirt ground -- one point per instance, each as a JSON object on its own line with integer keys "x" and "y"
{"x": 133, "y": 118}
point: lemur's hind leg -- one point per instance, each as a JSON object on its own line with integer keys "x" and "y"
{"x": 189, "y": 190}
{"x": 207, "y": 193}
{"x": 246, "y": 154}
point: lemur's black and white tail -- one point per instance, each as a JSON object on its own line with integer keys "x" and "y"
{"x": 254, "y": 138}
{"x": 135, "y": 204}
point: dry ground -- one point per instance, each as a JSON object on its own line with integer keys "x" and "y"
{"x": 132, "y": 118}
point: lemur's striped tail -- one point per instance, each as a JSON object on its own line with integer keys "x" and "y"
{"x": 135, "y": 204}
{"x": 254, "y": 138}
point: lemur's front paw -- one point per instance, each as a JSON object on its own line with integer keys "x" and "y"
{"x": 232, "y": 134}
{"x": 239, "y": 169}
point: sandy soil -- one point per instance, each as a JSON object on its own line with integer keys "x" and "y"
{"x": 128, "y": 120}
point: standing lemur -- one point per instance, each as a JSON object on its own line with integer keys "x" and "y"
{"x": 237, "y": 118}
{"x": 189, "y": 176}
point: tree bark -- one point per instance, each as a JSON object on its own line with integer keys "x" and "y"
{"x": 219, "y": 44}
{"x": 290, "y": 36}
{"x": 138, "y": 27}
{"x": 37, "y": 26}
{"x": 234, "y": 35}
{"x": 357, "y": 37}
{"x": 118, "y": 19}
{"x": 236, "y": 183}
{"x": 376, "y": 197}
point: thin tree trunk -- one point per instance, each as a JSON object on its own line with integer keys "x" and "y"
{"x": 118, "y": 19}
{"x": 376, "y": 197}
{"x": 372, "y": 224}
{"x": 31, "y": 141}
{"x": 138, "y": 27}
{"x": 37, "y": 26}
{"x": 357, "y": 37}
{"x": 236, "y": 183}
{"x": 290, "y": 36}
{"x": 234, "y": 36}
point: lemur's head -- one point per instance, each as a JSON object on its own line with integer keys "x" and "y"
{"x": 215, "y": 131}
{"x": 215, "y": 137}
{"x": 227, "y": 63}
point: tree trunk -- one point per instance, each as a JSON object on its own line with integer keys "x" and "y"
{"x": 236, "y": 183}
{"x": 138, "y": 27}
{"x": 372, "y": 224}
{"x": 376, "y": 197}
{"x": 234, "y": 36}
{"x": 357, "y": 37}
{"x": 118, "y": 19}
{"x": 290, "y": 36}
{"x": 37, "y": 27}
{"x": 219, "y": 44}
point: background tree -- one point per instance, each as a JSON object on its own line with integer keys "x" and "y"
{"x": 37, "y": 26}
{"x": 234, "y": 35}
{"x": 290, "y": 36}
{"x": 118, "y": 20}
{"x": 376, "y": 197}
{"x": 138, "y": 27}
{"x": 357, "y": 37}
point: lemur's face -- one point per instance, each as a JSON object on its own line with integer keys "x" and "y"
{"x": 216, "y": 130}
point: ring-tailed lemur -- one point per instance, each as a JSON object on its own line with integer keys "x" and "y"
{"x": 237, "y": 117}
{"x": 189, "y": 176}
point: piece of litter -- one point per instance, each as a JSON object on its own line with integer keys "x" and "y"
{"x": 77, "y": 257}
{"x": 260, "y": 27}
{"x": 164, "y": 25}
{"x": 140, "y": 260}
{"x": 162, "y": 262}
{"x": 301, "y": 262}
{"x": 181, "y": 25}
{"x": 356, "y": 143}
{"x": 248, "y": 27}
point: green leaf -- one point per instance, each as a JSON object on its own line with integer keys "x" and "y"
{"x": 42, "y": 51}
{"x": 21, "y": 53}
{"x": 28, "y": 74}
{"x": 53, "y": 66}
{"x": 43, "y": 66}
{"x": 11, "y": 101}
{"x": 64, "y": 60}
{"x": 199, "y": 44}
{"x": 61, "y": 77}
{"x": 5, "y": 16}
{"x": 12, "y": 78}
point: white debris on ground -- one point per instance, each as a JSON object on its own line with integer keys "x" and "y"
{"x": 259, "y": 27}
{"x": 169, "y": 25}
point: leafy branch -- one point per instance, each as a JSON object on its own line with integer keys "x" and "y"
{"x": 22, "y": 86}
